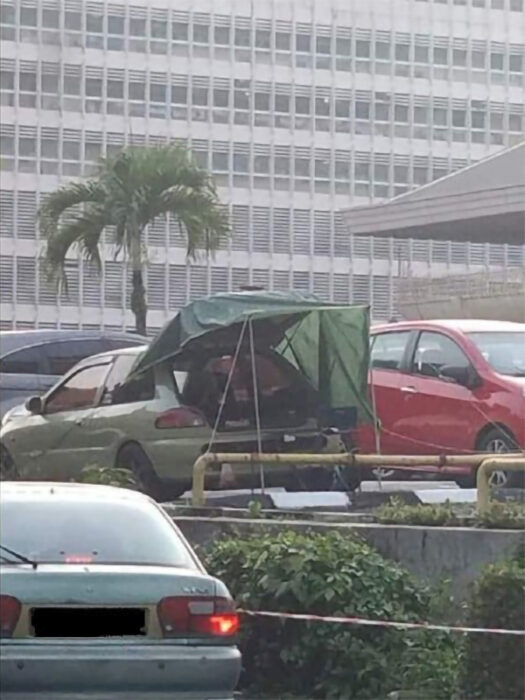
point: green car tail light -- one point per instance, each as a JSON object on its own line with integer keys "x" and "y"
{"x": 10, "y": 608}
{"x": 181, "y": 417}
{"x": 202, "y": 617}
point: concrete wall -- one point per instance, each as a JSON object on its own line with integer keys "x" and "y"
{"x": 430, "y": 553}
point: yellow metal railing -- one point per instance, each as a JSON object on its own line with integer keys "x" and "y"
{"x": 446, "y": 464}
{"x": 509, "y": 462}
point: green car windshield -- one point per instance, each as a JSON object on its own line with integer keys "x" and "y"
{"x": 98, "y": 532}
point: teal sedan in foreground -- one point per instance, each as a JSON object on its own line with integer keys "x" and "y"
{"x": 102, "y": 594}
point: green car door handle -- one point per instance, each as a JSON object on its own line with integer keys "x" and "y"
{"x": 78, "y": 421}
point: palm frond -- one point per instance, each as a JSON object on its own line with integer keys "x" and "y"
{"x": 84, "y": 230}
{"x": 67, "y": 197}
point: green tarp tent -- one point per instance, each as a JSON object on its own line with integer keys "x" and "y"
{"x": 328, "y": 344}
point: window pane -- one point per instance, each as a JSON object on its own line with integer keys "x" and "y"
{"x": 77, "y": 392}
{"x": 459, "y": 57}
{"x": 302, "y": 105}
{"x": 137, "y": 27}
{"x": 27, "y": 82}
{"x": 421, "y": 54}
{"x": 115, "y": 531}
{"x": 440, "y": 116}
{"x": 440, "y": 56}
{"x": 362, "y": 49}
{"x": 22, "y": 362}
{"x": 242, "y": 37}
{"x": 303, "y": 42}
{"x": 343, "y": 47}
{"x": 401, "y": 113}
{"x": 201, "y": 33}
{"x": 388, "y": 350}
{"x": 262, "y": 101}
{"x": 222, "y": 36}
{"x": 402, "y": 52}
{"x": 323, "y": 45}
{"x": 362, "y": 110}
{"x": 458, "y": 117}
{"x": 381, "y": 173}
{"x": 118, "y": 391}
{"x": 240, "y": 163}
{"x": 94, "y": 23}
{"x": 115, "y": 25}
{"x": 179, "y": 31}
{"x": 382, "y": 50}
{"x": 50, "y": 19}
{"x": 115, "y": 89}
{"x": 496, "y": 61}
{"x": 64, "y": 355}
{"x": 282, "y": 41}
{"x": 434, "y": 351}
{"x": 282, "y": 104}
{"x": 262, "y": 39}
{"x": 28, "y": 16}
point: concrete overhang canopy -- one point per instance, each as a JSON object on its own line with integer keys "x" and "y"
{"x": 484, "y": 202}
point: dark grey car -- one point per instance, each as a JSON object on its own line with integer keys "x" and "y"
{"x": 31, "y": 362}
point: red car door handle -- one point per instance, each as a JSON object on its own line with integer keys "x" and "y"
{"x": 409, "y": 389}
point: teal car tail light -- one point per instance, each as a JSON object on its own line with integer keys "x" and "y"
{"x": 181, "y": 417}
{"x": 203, "y": 617}
{"x": 10, "y": 608}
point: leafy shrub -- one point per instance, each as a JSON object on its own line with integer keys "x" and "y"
{"x": 324, "y": 574}
{"x": 493, "y": 665}
{"x": 508, "y": 515}
{"x": 397, "y": 512}
{"x": 109, "y": 476}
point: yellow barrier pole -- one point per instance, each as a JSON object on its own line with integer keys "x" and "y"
{"x": 349, "y": 458}
{"x": 505, "y": 463}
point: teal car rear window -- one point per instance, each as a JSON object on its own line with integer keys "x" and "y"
{"x": 88, "y": 531}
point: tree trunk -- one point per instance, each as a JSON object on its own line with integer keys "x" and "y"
{"x": 138, "y": 291}
{"x": 138, "y": 301}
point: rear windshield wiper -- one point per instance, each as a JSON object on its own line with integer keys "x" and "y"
{"x": 19, "y": 557}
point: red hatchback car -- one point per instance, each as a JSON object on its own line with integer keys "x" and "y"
{"x": 448, "y": 387}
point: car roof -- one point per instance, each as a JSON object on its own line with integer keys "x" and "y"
{"x": 135, "y": 350}
{"x": 36, "y": 490}
{"x": 463, "y": 325}
{"x": 15, "y": 340}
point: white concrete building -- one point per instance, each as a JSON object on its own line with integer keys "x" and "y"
{"x": 300, "y": 107}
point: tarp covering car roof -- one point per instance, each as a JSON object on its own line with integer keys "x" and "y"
{"x": 328, "y": 344}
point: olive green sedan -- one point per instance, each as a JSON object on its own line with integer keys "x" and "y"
{"x": 158, "y": 422}
{"x": 103, "y": 597}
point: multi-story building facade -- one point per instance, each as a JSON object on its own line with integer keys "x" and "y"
{"x": 300, "y": 108}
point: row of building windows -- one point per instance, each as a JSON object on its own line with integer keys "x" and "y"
{"x": 236, "y": 164}
{"x": 170, "y": 287}
{"x": 243, "y": 102}
{"x": 322, "y": 47}
{"x": 512, "y": 5}
{"x": 288, "y": 231}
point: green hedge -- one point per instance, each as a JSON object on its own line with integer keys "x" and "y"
{"x": 510, "y": 515}
{"x": 494, "y": 665}
{"x": 328, "y": 574}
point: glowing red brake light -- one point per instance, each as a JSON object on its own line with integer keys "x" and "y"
{"x": 182, "y": 417}
{"x": 10, "y": 608}
{"x": 209, "y": 617}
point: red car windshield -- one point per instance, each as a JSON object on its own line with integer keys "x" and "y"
{"x": 504, "y": 351}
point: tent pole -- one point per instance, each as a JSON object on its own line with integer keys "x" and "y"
{"x": 377, "y": 435}
{"x": 226, "y": 388}
{"x": 256, "y": 402}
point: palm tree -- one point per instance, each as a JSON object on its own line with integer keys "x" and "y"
{"x": 128, "y": 192}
